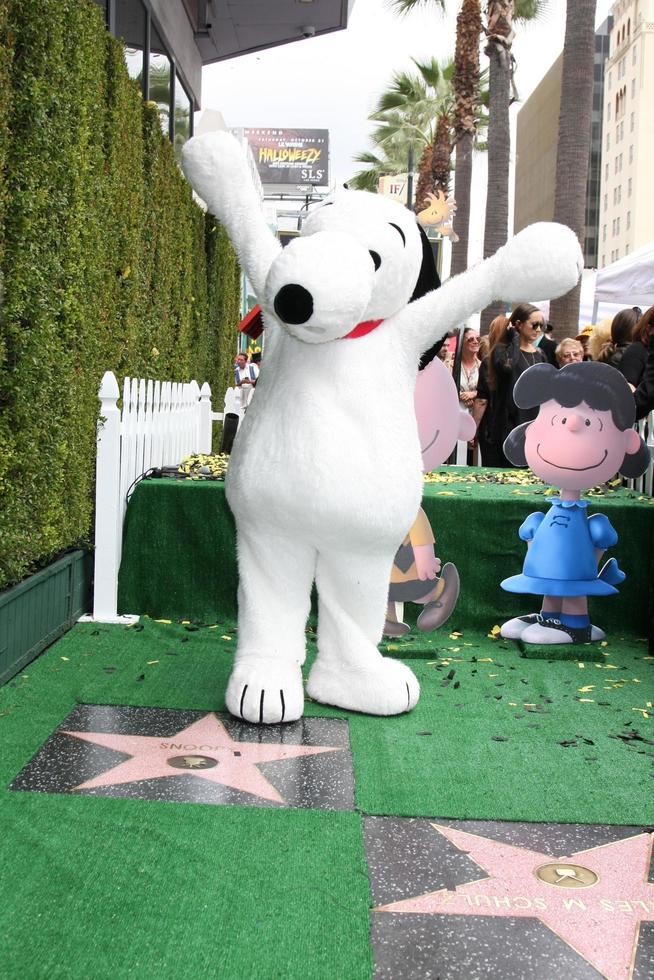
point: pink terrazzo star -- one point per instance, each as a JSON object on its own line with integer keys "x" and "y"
{"x": 205, "y": 742}
{"x": 595, "y": 901}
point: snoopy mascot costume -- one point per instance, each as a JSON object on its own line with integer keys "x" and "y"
{"x": 325, "y": 478}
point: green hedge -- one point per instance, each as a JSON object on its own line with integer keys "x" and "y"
{"x": 107, "y": 264}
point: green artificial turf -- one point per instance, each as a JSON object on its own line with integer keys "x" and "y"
{"x": 498, "y": 737}
{"x": 99, "y": 888}
{"x": 93, "y": 887}
{"x": 111, "y": 888}
{"x": 494, "y": 736}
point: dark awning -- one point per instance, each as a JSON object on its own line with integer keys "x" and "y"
{"x": 227, "y": 28}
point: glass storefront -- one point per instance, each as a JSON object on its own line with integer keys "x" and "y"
{"x": 151, "y": 63}
{"x": 130, "y": 26}
{"x": 160, "y": 75}
{"x": 183, "y": 116}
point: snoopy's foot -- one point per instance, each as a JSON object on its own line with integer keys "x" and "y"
{"x": 381, "y": 687}
{"x": 265, "y": 691}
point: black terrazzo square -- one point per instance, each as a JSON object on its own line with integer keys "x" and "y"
{"x": 469, "y": 900}
{"x": 194, "y": 757}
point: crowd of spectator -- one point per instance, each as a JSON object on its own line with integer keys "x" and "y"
{"x": 490, "y": 366}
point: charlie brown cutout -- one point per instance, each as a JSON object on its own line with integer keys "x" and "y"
{"x": 415, "y": 575}
{"x": 583, "y": 435}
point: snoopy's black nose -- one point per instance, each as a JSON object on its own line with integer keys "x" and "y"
{"x": 293, "y": 303}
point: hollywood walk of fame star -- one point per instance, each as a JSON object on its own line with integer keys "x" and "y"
{"x": 215, "y": 756}
{"x": 591, "y": 899}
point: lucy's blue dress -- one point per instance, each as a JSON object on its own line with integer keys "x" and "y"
{"x": 561, "y": 560}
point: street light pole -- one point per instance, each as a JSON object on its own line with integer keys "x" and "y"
{"x": 409, "y": 182}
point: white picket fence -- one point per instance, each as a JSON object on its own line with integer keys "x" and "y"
{"x": 160, "y": 423}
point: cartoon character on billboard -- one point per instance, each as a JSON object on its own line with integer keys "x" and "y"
{"x": 415, "y": 576}
{"x": 582, "y": 436}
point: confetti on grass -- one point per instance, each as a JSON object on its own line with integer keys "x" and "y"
{"x": 518, "y": 478}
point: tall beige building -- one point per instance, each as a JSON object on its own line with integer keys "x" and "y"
{"x": 626, "y": 197}
{"x": 537, "y": 143}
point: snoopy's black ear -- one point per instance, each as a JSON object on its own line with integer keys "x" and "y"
{"x": 428, "y": 280}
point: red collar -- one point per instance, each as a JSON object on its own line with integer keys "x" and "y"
{"x": 362, "y": 329}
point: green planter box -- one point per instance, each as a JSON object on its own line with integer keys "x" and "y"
{"x": 36, "y": 612}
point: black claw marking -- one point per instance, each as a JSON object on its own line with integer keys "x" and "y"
{"x": 408, "y": 697}
{"x": 263, "y": 694}
{"x": 242, "y": 700}
{"x": 281, "y": 694}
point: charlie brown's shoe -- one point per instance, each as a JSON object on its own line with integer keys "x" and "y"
{"x": 439, "y": 610}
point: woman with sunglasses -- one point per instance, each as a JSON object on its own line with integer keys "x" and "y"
{"x": 513, "y": 349}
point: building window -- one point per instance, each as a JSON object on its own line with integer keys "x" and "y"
{"x": 159, "y": 76}
{"x": 626, "y": 249}
{"x": 617, "y": 226}
{"x": 603, "y": 233}
{"x": 183, "y": 116}
{"x": 633, "y": 55}
{"x": 606, "y": 201}
{"x": 633, "y": 88}
{"x": 628, "y": 220}
{"x": 629, "y": 187}
{"x": 617, "y": 254}
{"x": 130, "y": 27}
{"x": 608, "y": 111}
{"x": 606, "y": 171}
{"x": 603, "y": 259}
{"x": 632, "y": 122}
{"x": 610, "y": 81}
{"x": 608, "y": 141}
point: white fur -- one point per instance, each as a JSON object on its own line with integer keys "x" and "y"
{"x": 325, "y": 477}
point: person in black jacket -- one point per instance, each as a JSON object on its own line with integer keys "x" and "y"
{"x": 644, "y": 393}
{"x": 622, "y": 327}
{"x": 512, "y": 350}
{"x": 548, "y": 346}
{"x": 634, "y": 358}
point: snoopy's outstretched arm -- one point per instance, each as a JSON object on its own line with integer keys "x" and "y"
{"x": 542, "y": 262}
{"x": 216, "y": 168}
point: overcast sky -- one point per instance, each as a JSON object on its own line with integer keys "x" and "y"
{"x": 333, "y": 82}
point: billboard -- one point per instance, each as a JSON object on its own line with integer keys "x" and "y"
{"x": 395, "y": 187}
{"x": 290, "y": 156}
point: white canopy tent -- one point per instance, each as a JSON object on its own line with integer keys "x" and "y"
{"x": 627, "y": 282}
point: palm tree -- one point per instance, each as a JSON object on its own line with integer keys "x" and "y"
{"x": 572, "y": 161}
{"x": 500, "y": 18}
{"x": 391, "y": 160}
{"x": 414, "y": 113}
{"x": 466, "y": 96}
